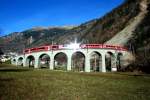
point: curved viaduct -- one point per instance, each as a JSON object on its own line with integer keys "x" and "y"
{"x": 98, "y": 52}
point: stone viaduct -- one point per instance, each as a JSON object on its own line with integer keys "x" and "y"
{"x": 37, "y": 56}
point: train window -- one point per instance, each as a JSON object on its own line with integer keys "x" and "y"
{"x": 42, "y": 48}
{"x": 55, "y": 47}
{"x": 33, "y": 49}
{"x": 26, "y": 50}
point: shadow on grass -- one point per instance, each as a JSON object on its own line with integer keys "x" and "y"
{"x": 6, "y": 79}
{"x": 133, "y": 74}
{"x": 15, "y": 70}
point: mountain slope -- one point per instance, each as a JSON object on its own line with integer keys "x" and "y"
{"x": 103, "y": 29}
{"x": 128, "y": 32}
{"x": 140, "y": 43}
{"x": 95, "y": 31}
{"x": 37, "y": 36}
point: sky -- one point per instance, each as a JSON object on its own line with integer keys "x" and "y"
{"x": 19, "y": 15}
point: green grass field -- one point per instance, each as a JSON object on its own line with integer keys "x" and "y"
{"x": 41, "y": 84}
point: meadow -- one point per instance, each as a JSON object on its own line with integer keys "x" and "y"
{"x": 17, "y": 83}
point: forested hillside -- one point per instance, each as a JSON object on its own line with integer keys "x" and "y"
{"x": 140, "y": 44}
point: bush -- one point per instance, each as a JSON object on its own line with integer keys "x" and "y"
{"x": 8, "y": 62}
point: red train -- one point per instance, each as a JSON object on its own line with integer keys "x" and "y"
{"x": 42, "y": 48}
{"x": 82, "y": 46}
{"x": 103, "y": 46}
